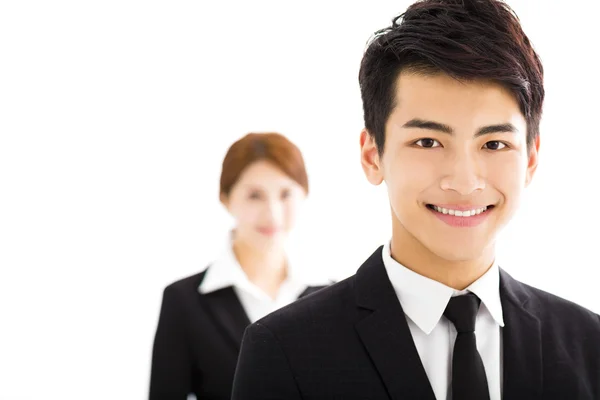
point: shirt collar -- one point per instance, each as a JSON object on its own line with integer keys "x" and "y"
{"x": 424, "y": 300}
{"x": 226, "y": 271}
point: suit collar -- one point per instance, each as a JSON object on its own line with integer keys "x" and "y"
{"x": 522, "y": 342}
{"x": 227, "y": 311}
{"x": 385, "y": 334}
{"x": 513, "y": 290}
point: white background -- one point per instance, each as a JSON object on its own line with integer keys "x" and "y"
{"x": 115, "y": 117}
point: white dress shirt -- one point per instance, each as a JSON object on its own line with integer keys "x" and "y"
{"x": 227, "y": 272}
{"x": 424, "y": 301}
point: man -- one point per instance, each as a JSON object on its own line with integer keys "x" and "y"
{"x": 452, "y": 94}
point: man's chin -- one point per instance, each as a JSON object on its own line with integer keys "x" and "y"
{"x": 458, "y": 254}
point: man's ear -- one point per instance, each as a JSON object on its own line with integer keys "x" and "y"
{"x": 369, "y": 158}
{"x": 532, "y": 164}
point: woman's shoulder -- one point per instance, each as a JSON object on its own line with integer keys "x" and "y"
{"x": 186, "y": 285}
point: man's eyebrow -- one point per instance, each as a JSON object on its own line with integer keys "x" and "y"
{"x": 440, "y": 127}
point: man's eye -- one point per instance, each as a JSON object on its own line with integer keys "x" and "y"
{"x": 494, "y": 145}
{"x": 427, "y": 143}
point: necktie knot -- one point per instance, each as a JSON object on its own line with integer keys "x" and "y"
{"x": 462, "y": 312}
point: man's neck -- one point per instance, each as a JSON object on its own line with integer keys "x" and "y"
{"x": 458, "y": 275}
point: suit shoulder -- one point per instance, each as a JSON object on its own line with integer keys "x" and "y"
{"x": 185, "y": 285}
{"x": 326, "y": 303}
{"x": 561, "y": 311}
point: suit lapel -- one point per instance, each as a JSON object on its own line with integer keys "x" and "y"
{"x": 522, "y": 344}
{"x": 226, "y": 309}
{"x": 386, "y": 336}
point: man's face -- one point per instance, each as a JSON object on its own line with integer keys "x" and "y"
{"x": 455, "y": 163}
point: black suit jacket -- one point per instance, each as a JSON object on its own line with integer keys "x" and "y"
{"x": 197, "y": 342}
{"x": 352, "y": 341}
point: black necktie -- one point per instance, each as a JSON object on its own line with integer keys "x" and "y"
{"x": 468, "y": 374}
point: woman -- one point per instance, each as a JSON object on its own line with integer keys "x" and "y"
{"x": 203, "y": 317}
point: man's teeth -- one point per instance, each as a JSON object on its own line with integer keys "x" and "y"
{"x": 457, "y": 213}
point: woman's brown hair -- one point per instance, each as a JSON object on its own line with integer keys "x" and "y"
{"x": 272, "y": 147}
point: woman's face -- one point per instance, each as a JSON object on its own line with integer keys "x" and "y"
{"x": 264, "y": 203}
